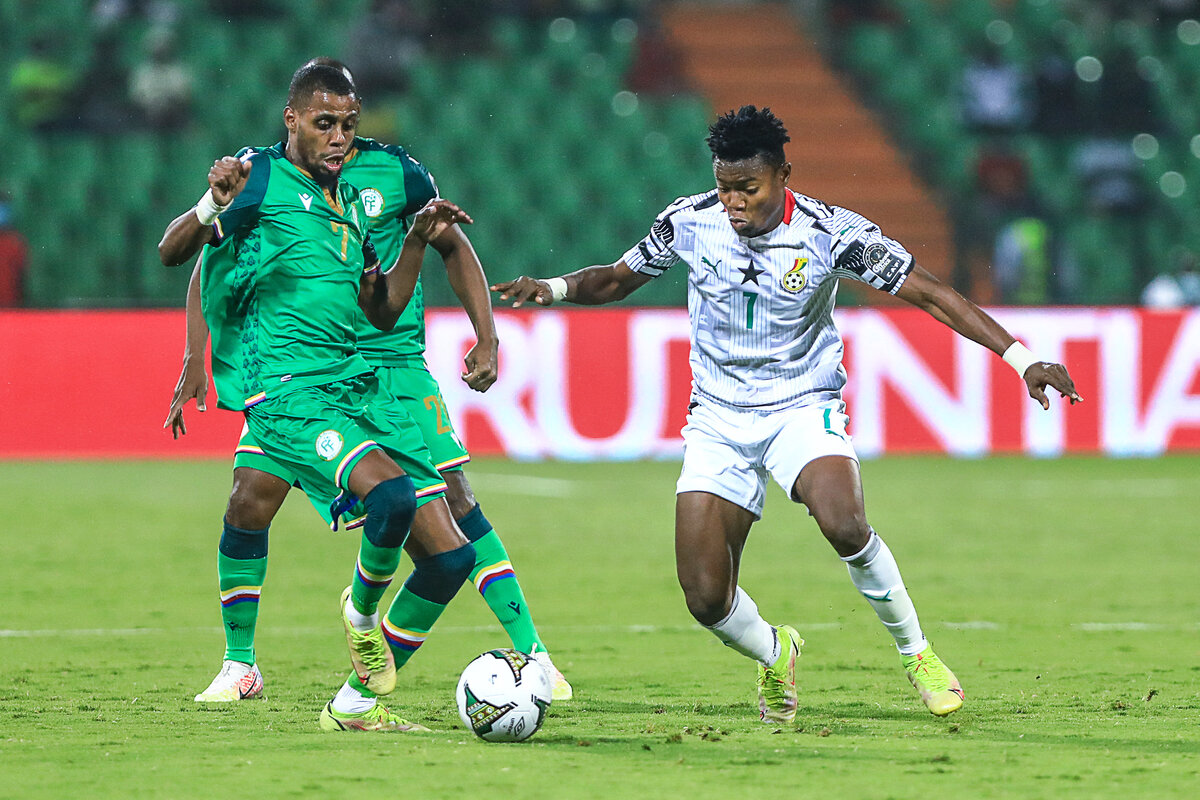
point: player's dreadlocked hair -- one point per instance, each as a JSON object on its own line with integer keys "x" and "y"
{"x": 312, "y": 78}
{"x": 746, "y": 133}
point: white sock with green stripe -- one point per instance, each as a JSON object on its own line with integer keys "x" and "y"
{"x": 877, "y": 577}
{"x": 747, "y": 632}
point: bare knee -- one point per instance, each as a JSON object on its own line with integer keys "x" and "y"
{"x": 254, "y": 499}
{"x": 708, "y": 601}
{"x": 846, "y": 529}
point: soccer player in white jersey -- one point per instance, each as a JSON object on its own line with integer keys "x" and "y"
{"x": 763, "y": 265}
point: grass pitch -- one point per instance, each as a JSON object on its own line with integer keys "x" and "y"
{"x": 1063, "y": 594}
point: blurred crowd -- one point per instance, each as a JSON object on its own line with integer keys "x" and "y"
{"x": 156, "y": 91}
{"x": 1092, "y": 108}
{"x": 106, "y": 95}
{"x": 14, "y": 258}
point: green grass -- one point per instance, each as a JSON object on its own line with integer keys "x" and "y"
{"x": 1063, "y": 593}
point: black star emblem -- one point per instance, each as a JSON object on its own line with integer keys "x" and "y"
{"x": 750, "y": 273}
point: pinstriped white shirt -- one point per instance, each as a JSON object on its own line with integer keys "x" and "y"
{"x": 761, "y": 308}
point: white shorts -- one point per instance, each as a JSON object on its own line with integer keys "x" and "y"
{"x": 729, "y": 451}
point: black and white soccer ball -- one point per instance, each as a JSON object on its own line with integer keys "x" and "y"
{"x": 503, "y": 696}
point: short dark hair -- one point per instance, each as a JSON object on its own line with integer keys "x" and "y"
{"x": 746, "y": 133}
{"x": 326, "y": 61}
{"x": 312, "y": 78}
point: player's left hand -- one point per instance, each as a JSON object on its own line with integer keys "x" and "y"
{"x": 481, "y": 362}
{"x": 435, "y": 217}
{"x": 192, "y": 384}
{"x": 1041, "y": 374}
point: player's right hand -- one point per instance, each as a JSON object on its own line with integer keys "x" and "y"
{"x": 524, "y": 289}
{"x": 227, "y": 178}
{"x": 192, "y": 384}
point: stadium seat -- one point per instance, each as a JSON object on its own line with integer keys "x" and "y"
{"x": 872, "y": 49}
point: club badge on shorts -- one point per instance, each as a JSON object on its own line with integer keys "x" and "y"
{"x": 794, "y": 279}
{"x": 329, "y": 444}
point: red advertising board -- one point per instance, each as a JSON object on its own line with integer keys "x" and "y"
{"x": 613, "y": 384}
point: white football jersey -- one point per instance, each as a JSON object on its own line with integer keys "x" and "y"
{"x": 761, "y": 308}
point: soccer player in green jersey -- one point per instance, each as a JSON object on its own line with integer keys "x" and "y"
{"x": 393, "y": 186}
{"x": 303, "y": 270}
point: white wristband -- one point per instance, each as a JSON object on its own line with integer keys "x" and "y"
{"x": 207, "y": 209}
{"x": 1019, "y": 358}
{"x": 558, "y": 288}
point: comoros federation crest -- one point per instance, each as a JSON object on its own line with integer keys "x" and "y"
{"x": 329, "y": 444}
{"x": 372, "y": 201}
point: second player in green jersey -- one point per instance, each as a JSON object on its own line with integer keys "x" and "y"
{"x": 392, "y": 186}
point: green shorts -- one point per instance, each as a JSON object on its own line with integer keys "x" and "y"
{"x": 413, "y": 386}
{"x": 249, "y": 454}
{"x": 316, "y": 435}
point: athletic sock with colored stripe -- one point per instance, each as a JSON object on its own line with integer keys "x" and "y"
{"x": 391, "y": 506}
{"x": 495, "y": 578}
{"x": 241, "y": 569}
{"x": 422, "y": 599}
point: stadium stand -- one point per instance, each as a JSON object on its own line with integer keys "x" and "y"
{"x": 908, "y": 62}
{"x": 535, "y": 134}
{"x": 538, "y": 133}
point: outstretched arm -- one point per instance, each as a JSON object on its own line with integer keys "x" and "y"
{"x": 926, "y": 292}
{"x": 470, "y": 286}
{"x": 384, "y": 294}
{"x": 193, "y": 379}
{"x": 592, "y": 286}
{"x": 192, "y": 229}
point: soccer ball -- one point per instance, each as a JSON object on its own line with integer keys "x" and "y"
{"x": 503, "y": 696}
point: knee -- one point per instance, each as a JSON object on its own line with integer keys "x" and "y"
{"x": 391, "y": 507}
{"x": 438, "y": 577}
{"x": 707, "y": 601}
{"x": 847, "y": 530}
{"x": 255, "y": 498}
{"x": 248, "y": 510}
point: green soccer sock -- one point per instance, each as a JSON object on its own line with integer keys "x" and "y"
{"x": 241, "y": 569}
{"x": 408, "y": 622}
{"x": 495, "y": 578}
{"x": 391, "y": 506}
{"x": 422, "y": 599}
{"x": 372, "y": 575}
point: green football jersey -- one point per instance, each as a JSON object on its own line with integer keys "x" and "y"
{"x": 393, "y": 186}
{"x": 284, "y": 281}
{"x": 226, "y": 300}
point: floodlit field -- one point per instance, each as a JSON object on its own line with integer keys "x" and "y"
{"x": 1065, "y": 595}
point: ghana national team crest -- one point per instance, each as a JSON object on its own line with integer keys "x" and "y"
{"x": 372, "y": 201}
{"x": 329, "y": 444}
{"x": 794, "y": 279}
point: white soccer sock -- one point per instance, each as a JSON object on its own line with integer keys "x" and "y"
{"x": 350, "y": 701}
{"x": 748, "y": 633}
{"x": 361, "y": 622}
{"x": 877, "y": 577}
